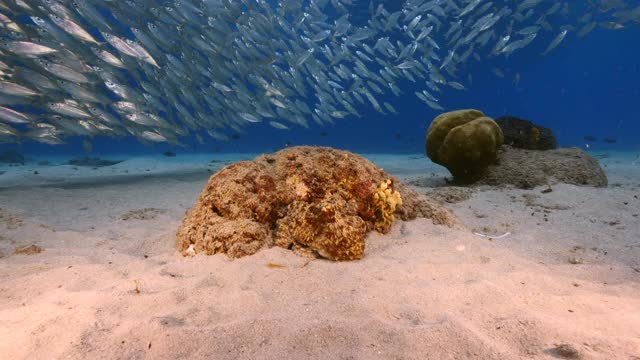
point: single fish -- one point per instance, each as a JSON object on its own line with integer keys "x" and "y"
{"x": 68, "y": 109}
{"x": 153, "y": 136}
{"x": 278, "y": 125}
{"x": 64, "y": 72}
{"x": 109, "y": 58}
{"x": 12, "y": 116}
{"x": 9, "y": 88}
{"x": 6, "y": 130}
{"x": 72, "y": 28}
{"x": 249, "y": 117}
{"x": 555, "y": 42}
{"x": 26, "y": 48}
{"x": 407, "y": 64}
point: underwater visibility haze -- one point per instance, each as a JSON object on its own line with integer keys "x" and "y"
{"x": 320, "y": 179}
{"x": 251, "y": 76}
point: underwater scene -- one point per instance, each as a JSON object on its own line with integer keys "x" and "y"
{"x": 319, "y": 179}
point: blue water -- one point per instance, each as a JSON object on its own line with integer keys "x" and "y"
{"x": 587, "y": 86}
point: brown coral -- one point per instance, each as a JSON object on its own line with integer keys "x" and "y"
{"x": 309, "y": 198}
{"x": 331, "y": 227}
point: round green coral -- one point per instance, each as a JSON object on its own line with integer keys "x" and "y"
{"x": 465, "y": 142}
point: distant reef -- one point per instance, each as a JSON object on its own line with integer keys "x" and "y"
{"x": 92, "y": 162}
{"x": 507, "y": 151}
{"x": 317, "y": 201}
{"x": 12, "y": 157}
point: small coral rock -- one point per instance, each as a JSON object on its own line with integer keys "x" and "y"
{"x": 310, "y": 199}
{"x": 28, "y": 250}
{"x": 566, "y": 351}
{"x": 464, "y": 141}
{"x": 450, "y": 194}
{"x": 524, "y": 134}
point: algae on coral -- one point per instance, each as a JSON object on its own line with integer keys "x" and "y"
{"x": 314, "y": 199}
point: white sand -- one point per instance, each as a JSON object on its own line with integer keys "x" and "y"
{"x": 421, "y": 292}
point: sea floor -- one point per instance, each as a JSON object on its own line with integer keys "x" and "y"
{"x": 534, "y": 275}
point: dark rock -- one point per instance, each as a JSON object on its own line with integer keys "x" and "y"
{"x": 566, "y": 351}
{"x": 521, "y": 133}
{"x": 527, "y": 169}
{"x": 12, "y": 157}
{"x": 169, "y": 154}
{"x": 450, "y": 194}
{"x": 92, "y": 162}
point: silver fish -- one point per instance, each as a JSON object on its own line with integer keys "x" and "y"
{"x": 12, "y": 116}
{"x": 278, "y": 125}
{"x": 556, "y": 41}
{"x": 26, "y": 48}
{"x": 65, "y": 108}
{"x": 9, "y": 88}
{"x": 72, "y": 28}
{"x": 153, "y": 136}
{"x": 185, "y": 67}
{"x": 64, "y": 72}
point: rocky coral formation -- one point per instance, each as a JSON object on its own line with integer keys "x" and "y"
{"x": 9, "y": 220}
{"x": 314, "y": 199}
{"x": 524, "y": 134}
{"x": 530, "y": 168}
{"x": 463, "y": 141}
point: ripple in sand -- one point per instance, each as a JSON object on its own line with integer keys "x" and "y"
{"x": 171, "y": 321}
{"x": 9, "y": 220}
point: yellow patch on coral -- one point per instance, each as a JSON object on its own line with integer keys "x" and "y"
{"x": 345, "y": 185}
{"x": 385, "y": 201}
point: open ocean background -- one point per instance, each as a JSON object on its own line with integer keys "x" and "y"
{"x": 586, "y": 86}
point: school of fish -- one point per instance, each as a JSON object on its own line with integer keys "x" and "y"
{"x": 163, "y": 70}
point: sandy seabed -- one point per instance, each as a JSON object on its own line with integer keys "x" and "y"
{"x": 108, "y": 284}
